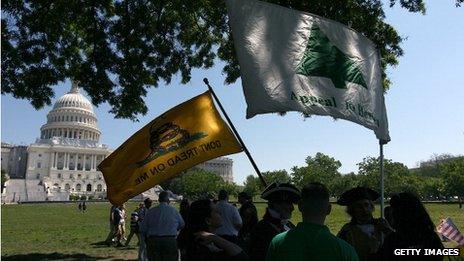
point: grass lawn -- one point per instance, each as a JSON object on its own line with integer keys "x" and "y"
{"x": 60, "y": 232}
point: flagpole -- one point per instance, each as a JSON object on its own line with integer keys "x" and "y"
{"x": 382, "y": 201}
{"x": 205, "y": 80}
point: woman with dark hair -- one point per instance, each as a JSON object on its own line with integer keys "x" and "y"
{"x": 198, "y": 243}
{"x": 413, "y": 229}
{"x": 364, "y": 232}
{"x": 184, "y": 208}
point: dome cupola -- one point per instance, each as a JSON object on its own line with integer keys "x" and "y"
{"x": 72, "y": 117}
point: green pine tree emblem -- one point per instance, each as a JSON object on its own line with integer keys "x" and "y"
{"x": 324, "y": 59}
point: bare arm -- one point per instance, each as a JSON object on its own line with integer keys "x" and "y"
{"x": 230, "y": 248}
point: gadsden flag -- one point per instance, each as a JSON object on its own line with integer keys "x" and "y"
{"x": 184, "y": 136}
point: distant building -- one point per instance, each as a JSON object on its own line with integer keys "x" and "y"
{"x": 14, "y": 160}
{"x": 222, "y": 166}
{"x": 64, "y": 160}
{"x": 433, "y": 164}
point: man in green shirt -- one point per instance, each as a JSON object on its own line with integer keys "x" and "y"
{"x": 311, "y": 239}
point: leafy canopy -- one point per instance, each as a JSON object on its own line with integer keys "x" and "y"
{"x": 116, "y": 50}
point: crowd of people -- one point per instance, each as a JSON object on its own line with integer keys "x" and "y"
{"x": 217, "y": 230}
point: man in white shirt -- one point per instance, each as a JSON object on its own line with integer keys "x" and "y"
{"x": 231, "y": 220}
{"x": 161, "y": 225}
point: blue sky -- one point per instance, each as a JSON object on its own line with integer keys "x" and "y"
{"x": 425, "y": 106}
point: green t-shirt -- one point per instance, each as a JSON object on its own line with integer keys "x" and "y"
{"x": 309, "y": 241}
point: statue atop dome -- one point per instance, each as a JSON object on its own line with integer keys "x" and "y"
{"x": 74, "y": 87}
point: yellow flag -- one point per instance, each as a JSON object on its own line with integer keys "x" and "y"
{"x": 184, "y": 136}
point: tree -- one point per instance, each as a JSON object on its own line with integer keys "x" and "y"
{"x": 453, "y": 177}
{"x": 432, "y": 188}
{"x": 4, "y": 178}
{"x": 280, "y": 176}
{"x": 231, "y": 188}
{"x": 343, "y": 183}
{"x": 116, "y": 50}
{"x": 395, "y": 174}
{"x": 196, "y": 184}
{"x": 320, "y": 168}
{"x": 252, "y": 185}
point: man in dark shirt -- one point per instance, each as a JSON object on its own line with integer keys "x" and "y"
{"x": 280, "y": 197}
{"x": 249, "y": 216}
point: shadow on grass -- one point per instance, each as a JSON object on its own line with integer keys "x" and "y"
{"x": 63, "y": 256}
{"x": 103, "y": 244}
{"x": 52, "y": 256}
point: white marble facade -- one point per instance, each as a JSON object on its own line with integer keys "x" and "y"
{"x": 64, "y": 160}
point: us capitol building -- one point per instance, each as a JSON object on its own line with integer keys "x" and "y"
{"x": 64, "y": 160}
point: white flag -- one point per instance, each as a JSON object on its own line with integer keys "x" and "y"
{"x": 296, "y": 61}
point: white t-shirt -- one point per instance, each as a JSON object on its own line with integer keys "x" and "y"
{"x": 229, "y": 216}
{"x": 162, "y": 220}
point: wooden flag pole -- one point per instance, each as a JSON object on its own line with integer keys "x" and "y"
{"x": 382, "y": 187}
{"x": 205, "y": 80}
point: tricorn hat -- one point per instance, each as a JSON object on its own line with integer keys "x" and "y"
{"x": 355, "y": 194}
{"x": 281, "y": 192}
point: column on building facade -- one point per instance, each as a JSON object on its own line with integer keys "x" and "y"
{"x": 50, "y": 165}
{"x": 55, "y": 159}
{"x": 66, "y": 160}
{"x": 75, "y": 161}
{"x": 93, "y": 162}
{"x": 83, "y": 161}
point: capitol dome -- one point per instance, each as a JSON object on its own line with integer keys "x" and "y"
{"x": 74, "y": 99}
{"x": 72, "y": 117}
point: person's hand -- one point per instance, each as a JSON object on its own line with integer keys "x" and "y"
{"x": 204, "y": 237}
{"x": 383, "y": 225}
